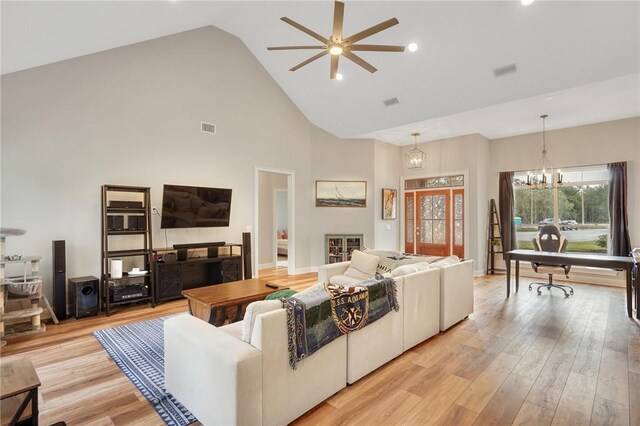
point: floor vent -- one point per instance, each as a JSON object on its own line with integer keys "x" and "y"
{"x": 391, "y": 102}
{"x": 507, "y": 69}
{"x": 208, "y": 128}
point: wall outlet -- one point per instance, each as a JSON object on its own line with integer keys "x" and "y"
{"x": 388, "y": 226}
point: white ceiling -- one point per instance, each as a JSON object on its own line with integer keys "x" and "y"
{"x": 446, "y": 88}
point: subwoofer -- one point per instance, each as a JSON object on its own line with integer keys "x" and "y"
{"x": 85, "y": 296}
{"x": 59, "y": 279}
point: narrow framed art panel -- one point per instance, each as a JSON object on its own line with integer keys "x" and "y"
{"x": 389, "y": 203}
{"x": 339, "y": 193}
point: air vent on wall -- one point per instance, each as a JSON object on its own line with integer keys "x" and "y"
{"x": 507, "y": 69}
{"x": 391, "y": 102}
{"x": 208, "y": 128}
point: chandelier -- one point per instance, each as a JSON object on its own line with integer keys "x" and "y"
{"x": 416, "y": 158}
{"x": 544, "y": 176}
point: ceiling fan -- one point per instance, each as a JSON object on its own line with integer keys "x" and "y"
{"x": 337, "y": 46}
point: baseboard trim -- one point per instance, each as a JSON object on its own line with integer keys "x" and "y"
{"x": 306, "y": 270}
{"x": 266, "y": 265}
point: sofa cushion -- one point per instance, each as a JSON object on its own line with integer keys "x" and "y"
{"x": 234, "y": 329}
{"x": 362, "y": 266}
{"x": 344, "y": 280}
{"x": 410, "y": 269}
{"x": 408, "y": 260}
{"x": 450, "y": 260}
{"x": 253, "y": 310}
{"x": 386, "y": 259}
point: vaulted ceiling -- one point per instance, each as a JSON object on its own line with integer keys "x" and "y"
{"x": 579, "y": 61}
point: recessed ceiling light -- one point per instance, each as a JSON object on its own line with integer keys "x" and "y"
{"x": 526, "y": 2}
{"x": 339, "y": 76}
{"x": 412, "y": 47}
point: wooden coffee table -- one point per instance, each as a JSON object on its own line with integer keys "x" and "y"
{"x": 225, "y": 303}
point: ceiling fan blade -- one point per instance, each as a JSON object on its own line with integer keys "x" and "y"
{"x": 311, "y": 59}
{"x": 358, "y": 60}
{"x": 295, "y": 47}
{"x": 338, "y": 18}
{"x": 334, "y": 65}
{"x": 376, "y": 48}
{"x": 304, "y": 29}
{"x": 372, "y": 30}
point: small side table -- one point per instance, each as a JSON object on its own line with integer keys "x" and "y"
{"x": 18, "y": 387}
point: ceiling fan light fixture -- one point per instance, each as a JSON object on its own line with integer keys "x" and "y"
{"x": 412, "y": 47}
{"x": 339, "y": 76}
{"x": 336, "y": 50}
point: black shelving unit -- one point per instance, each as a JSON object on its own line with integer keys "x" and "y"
{"x": 141, "y": 249}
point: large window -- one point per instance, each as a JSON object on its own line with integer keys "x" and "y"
{"x": 579, "y": 208}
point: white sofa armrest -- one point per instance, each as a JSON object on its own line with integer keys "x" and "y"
{"x": 420, "y": 306}
{"x": 213, "y": 374}
{"x": 329, "y": 270}
{"x": 456, "y": 293}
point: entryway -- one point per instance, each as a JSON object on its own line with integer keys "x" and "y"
{"x": 434, "y": 216}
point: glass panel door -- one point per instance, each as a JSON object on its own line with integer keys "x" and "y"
{"x": 432, "y": 230}
{"x": 458, "y": 222}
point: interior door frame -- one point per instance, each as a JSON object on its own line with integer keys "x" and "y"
{"x": 275, "y": 228}
{"x": 291, "y": 198}
{"x": 466, "y": 215}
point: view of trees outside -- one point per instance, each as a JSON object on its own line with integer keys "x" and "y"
{"x": 587, "y": 205}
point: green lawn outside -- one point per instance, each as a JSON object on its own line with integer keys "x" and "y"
{"x": 575, "y": 246}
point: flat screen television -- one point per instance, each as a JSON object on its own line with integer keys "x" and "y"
{"x": 195, "y": 207}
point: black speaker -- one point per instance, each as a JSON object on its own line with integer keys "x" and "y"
{"x": 85, "y": 296}
{"x": 59, "y": 279}
{"x": 115, "y": 222}
{"x": 246, "y": 254}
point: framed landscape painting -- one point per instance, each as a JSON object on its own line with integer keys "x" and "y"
{"x": 337, "y": 193}
{"x": 389, "y": 203}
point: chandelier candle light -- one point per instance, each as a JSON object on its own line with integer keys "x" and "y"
{"x": 416, "y": 158}
{"x": 544, "y": 176}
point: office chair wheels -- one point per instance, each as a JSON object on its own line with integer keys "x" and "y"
{"x": 530, "y": 286}
{"x": 539, "y": 292}
{"x": 571, "y": 292}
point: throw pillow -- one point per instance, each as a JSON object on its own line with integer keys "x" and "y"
{"x": 280, "y": 294}
{"x": 447, "y": 261}
{"x": 386, "y": 259}
{"x": 253, "y": 310}
{"x": 362, "y": 265}
{"x": 410, "y": 269}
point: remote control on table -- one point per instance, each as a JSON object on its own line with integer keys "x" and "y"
{"x": 271, "y": 285}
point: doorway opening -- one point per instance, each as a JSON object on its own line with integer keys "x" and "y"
{"x": 274, "y": 220}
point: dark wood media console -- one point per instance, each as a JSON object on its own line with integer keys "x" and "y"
{"x": 172, "y": 277}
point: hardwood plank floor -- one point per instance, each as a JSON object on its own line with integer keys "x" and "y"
{"x": 528, "y": 360}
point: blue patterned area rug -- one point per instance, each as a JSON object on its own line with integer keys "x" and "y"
{"x": 138, "y": 349}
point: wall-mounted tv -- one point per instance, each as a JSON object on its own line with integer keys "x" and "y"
{"x": 195, "y": 207}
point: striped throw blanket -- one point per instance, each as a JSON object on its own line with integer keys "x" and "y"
{"x": 324, "y": 312}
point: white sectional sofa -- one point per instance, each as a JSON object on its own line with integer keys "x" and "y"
{"x": 224, "y": 380}
{"x": 240, "y": 373}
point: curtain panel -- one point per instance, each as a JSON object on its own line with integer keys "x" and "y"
{"x": 506, "y": 210}
{"x": 619, "y": 241}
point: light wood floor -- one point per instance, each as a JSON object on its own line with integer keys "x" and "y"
{"x": 527, "y": 360}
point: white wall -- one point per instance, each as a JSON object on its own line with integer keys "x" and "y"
{"x": 599, "y": 143}
{"x": 337, "y": 159}
{"x": 132, "y": 116}
{"x": 470, "y": 155}
{"x": 387, "y": 170}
